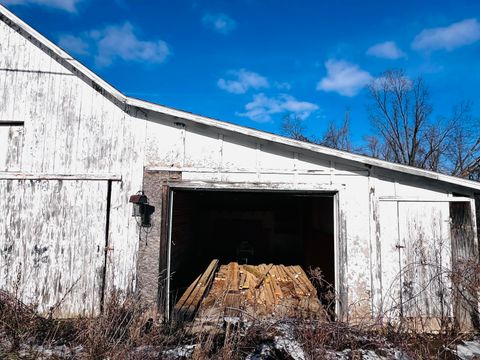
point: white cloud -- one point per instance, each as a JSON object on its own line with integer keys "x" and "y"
{"x": 390, "y": 83}
{"x": 386, "y": 50}
{"x": 67, "y": 5}
{"x": 282, "y": 85}
{"x": 243, "y": 81}
{"x": 121, "y": 42}
{"x": 116, "y": 42}
{"x": 221, "y": 23}
{"x": 456, "y": 35}
{"x": 262, "y": 107}
{"x": 344, "y": 78}
{"x": 73, "y": 44}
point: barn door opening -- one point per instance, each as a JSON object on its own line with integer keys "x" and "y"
{"x": 248, "y": 227}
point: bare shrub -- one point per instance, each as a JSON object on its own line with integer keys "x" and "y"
{"x": 125, "y": 324}
{"x": 466, "y": 282}
{"x": 127, "y": 329}
{"x": 17, "y": 320}
{"x": 326, "y": 291}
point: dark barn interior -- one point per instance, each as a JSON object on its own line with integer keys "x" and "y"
{"x": 249, "y": 227}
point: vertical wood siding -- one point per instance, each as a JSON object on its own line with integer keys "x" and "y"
{"x": 52, "y": 242}
{"x": 426, "y": 259}
{"x": 69, "y": 128}
{"x": 11, "y": 146}
{"x": 416, "y": 260}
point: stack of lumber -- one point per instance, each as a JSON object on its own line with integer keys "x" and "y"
{"x": 261, "y": 291}
{"x": 188, "y": 304}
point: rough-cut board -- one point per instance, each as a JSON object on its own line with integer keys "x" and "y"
{"x": 261, "y": 291}
{"x": 188, "y": 304}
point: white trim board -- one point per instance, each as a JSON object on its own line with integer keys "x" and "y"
{"x": 10, "y": 175}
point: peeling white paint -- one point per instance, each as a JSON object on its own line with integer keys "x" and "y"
{"x": 79, "y": 135}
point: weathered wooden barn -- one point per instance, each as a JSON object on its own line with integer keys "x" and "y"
{"x": 73, "y": 150}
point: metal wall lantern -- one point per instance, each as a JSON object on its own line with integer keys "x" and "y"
{"x": 142, "y": 209}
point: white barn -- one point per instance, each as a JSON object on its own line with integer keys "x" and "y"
{"x": 73, "y": 150}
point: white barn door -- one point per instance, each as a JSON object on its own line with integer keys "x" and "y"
{"x": 415, "y": 261}
{"x": 52, "y": 243}
{"x": 426, "y": 262}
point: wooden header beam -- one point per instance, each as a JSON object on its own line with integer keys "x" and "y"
{"x": 10, "y": 175}
{"x": 423, "y": 199}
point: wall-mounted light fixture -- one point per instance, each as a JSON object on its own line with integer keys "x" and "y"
{"x": 142, "y": 209}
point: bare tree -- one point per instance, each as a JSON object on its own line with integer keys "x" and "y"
{"x": 400, "y": 112}
{"x": 337, "y": 137}
{"x": 374, "y": 147}
{"x": 293, "y": 127}
{"x": 463, "y": 148}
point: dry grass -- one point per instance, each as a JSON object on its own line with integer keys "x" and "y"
{"x": 127, "y": 330}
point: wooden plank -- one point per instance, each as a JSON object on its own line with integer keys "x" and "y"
{"x": 252, "y": 270}
{"x": 196, "y": 294}
{"x": 299, "y": 289}
{"x": 233, "y": 281}
{"x": 186, "y": 294}
{"x": 251, "y": 281}
{"x": 192, "y": 302}
{"x": 303, "y": 278}
{"x": 203, "y": 284}
{"x": 273, "y": 272}
{"x": 243, "y": 278}
{"x": 276, "y": 288}
{"x": 265, "y": 273}
{"x": 270, "y": 294}
{"x": 284, "y": 275}
{"x": 278, "y": 273}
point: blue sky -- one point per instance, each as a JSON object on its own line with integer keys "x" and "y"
{"x": 252, "y": 61}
